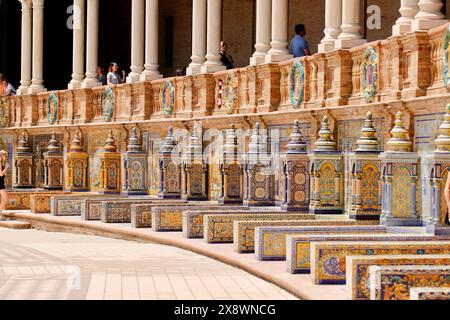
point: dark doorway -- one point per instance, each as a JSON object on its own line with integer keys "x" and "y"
{"x": 115, "y": 34}
{"x": 10, "y": 26}
{"x": 57, "y": 44}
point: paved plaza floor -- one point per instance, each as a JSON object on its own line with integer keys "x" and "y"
{"x": 42, "y": 265}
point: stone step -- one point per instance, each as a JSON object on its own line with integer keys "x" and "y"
{"x": 328, "y": 259}
{"x": 16, "y": 225}
{"x": 244, "y": 231}
{"x": 270, "y": 242}
{"x": 405, "y": 277}
{"x": 218, "y": 228}
{"x": 357, "y": 270}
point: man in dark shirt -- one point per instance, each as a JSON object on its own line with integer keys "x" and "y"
{"x": 299, "y": 45}
{"x": 224, "y": 58}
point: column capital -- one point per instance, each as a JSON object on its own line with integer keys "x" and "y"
{"x": 38, "y": 4}
{"x": 26, "y": 4}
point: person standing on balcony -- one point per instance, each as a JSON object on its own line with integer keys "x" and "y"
{"x": 224, "y": 58}
{"x": 101, "y": 76}
{"x": 6, "y": 88}
{"x": 113, "y": 76}
{"x": 299, "y": 46}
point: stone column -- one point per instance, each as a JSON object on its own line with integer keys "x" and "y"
{"x": 389, "y": 213}
{"x": 213, "y": 35}
{"x": 333, "y": 22}
{"x": 78, "y": 44}
{"x": 408, "y": 10}
{"x": 37, "y": 83}
{"x": 429, "y": 16}
{"x": 137, "y": 40}
{"x": 263, "y": 26}
{"x": 92, "y": 46}
{"x": 413, "y": 214}
{"x": 351, "y": 25}
{"x": 26, "y": 50}
{"x": 198, "y": 37}
{"x": 151, "y": 42}
{"x": 279, "y": 44}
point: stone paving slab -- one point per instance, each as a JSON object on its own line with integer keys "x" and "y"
{"x": 275, "y": 272}
{"x": 58, "y": 266}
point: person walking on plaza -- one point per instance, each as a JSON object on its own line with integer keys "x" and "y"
{"x": 3, "y": 171}
{"x": 224, "y": 58}
{"x": 113, "y": 76}
{"x": 6, "y": 88}
{"x": 299, "y": 46}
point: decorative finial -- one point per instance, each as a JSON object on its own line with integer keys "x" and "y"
{"x": 76, "y": 143}
{"x": 296, "y": 143}
{"x": 257, "y": 145}
{"x": 53, "y": 146}
{"x": 325, "y": 141}
{"x": 23, "y": 144}
{"x": 195, "y": 146}
{"x": 134, "y": 146}
{"x": 110, "y": 143}
{"x": 231, "y": 142}
{"x": 443, "y": 140}
{"x": 368, "y": 141}
{"x": 170, "y": 143}
{"x": 400, "y": 139}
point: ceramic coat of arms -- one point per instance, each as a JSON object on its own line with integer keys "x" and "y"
{"x": 297, "y": 84}
{"x": 52, "y": 108}
{"x": 447, "y": 58}
{"x": 370, "y": 74}
{"x": 168, "y": 98}
{"x": 230, "y": 97}
{"x": 108, "y": 104}
{"x": 4, "y": 112}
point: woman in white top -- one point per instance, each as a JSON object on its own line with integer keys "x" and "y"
{"x": 113, "y": 77}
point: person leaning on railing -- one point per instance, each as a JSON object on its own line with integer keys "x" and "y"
{"x": 6, "y": 88}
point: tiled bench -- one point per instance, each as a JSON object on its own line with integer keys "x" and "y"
{"x": 119, "y": 211}
{"x": 193, "y": 220}
{"x": 141, "y": 215}
{"x": 91, "y": 209}
{"x": 218, "y": 228}
{"x": 70, "y": 205}
{"x": 40, "y": 203}
{"x": 300, "y": 258}
{"x": 171, "y": 218}
{"x": 244, "y": 231}
{"x": 429, "y": 294}
{"x": 270, "y": 242}
{"x": 21, "y": 199}
{"x": 328, "y": 258}
{"x": 395, "y": 282}
{"x": 357, "y": 269}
